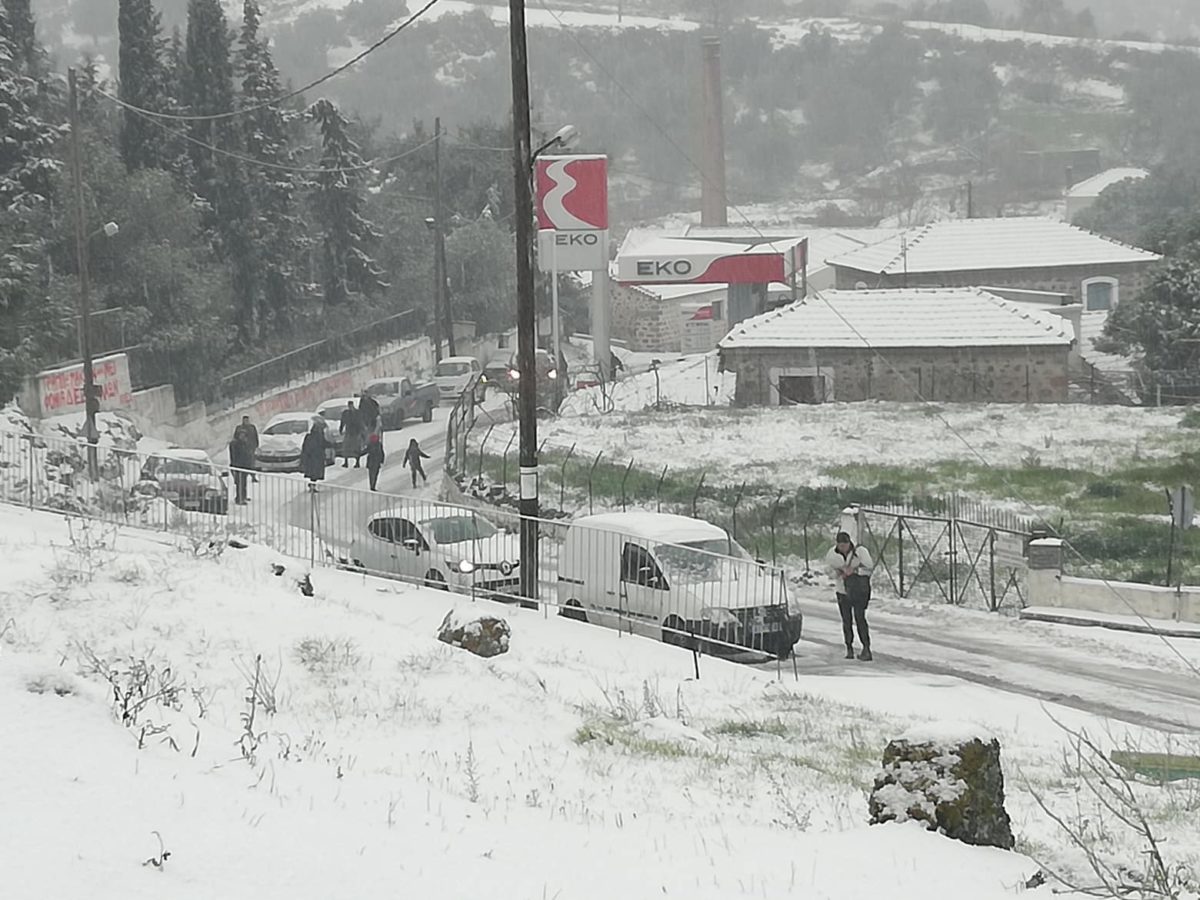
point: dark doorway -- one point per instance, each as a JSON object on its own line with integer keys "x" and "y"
{"x": 795, "y": 389}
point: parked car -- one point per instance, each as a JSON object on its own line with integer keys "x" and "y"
{"x": 331, "y": 411}
{"x": 680, "y": 579}
{"x": 400, "y": 399}
{"x": 187, "y": 478}
{"x": 442, "y": 546}
{"x": 454, "y": 373}
{"x": 280, "y": 442}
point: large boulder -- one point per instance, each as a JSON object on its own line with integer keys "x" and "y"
{"x": 949, "y": 778}
{"x": 484, "y": 636}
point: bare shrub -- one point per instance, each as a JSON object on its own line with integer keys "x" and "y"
{"x": 89, "y": 549}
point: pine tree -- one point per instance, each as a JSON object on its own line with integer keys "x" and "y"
{"x": 26, "y": 51}
{"x": 347, "y": 267}
{"x": 277, "y": 226}
{"x": 27, "y": 160}
{"x": 142, "y": 83}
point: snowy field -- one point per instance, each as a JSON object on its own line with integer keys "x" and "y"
{"x": 795, "y": 446}
{"x": 375, "y": 760}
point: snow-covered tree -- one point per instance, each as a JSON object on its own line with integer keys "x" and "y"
{"x": 347, "y": 267}
{"x": 27, "y": 159}
{"x": 142, "y": 80}
{"x": 27, "y": 53}
{"x": 266, "y": 132}
{"x": 1162, "y": 324}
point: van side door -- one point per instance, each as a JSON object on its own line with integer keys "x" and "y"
{"x": 644, "y": 588}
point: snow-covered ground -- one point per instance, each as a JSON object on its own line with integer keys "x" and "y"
{"x": 797, "y": 445}
{"x": 376, "y": 760}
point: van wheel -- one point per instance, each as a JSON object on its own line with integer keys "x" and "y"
{"x": 573, "y": 610}
{"x": 427, "y": 413}
{"x": 436, "y": 580}
{"x": 675, "y": 631}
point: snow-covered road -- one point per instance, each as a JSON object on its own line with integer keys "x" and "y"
{"x": 1058, "y": 664}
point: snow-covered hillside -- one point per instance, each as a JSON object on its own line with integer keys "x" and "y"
{"x": 375, "y": 760}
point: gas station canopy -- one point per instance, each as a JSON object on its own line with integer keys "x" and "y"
{"x": 653, "y": 259}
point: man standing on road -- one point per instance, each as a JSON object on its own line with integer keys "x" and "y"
{"x": 353, "y": 435}
{"x": 240, "y": 460}
{"x": 850, "y": 567}
{"x": 249, "y": 436}
{"x": 312, "y": 452}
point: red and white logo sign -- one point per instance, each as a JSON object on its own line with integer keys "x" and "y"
{"x": 572, "y": 193}
{"x": 60, "y": 391}
{"x": 702, "y": 268}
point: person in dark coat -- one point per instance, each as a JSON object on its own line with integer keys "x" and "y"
{"x": 312, "y": 452}
{"x": 368, "y": 408}
{"x": 412, "y": 458}
{"x": 375, "y": 459}
{"x": 249, "y": 436}
{"x": 240, "y": 460}
{"x": 850, "y": 568}
{"x": 353, "y": 435}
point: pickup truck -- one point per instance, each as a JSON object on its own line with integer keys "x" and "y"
{"x": 400, "y": 399}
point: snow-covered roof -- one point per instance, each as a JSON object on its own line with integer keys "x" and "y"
{"x": 1094, "y": 186}
{"x": 971, "y": 245}
{"x": 184, "y": 453}
{"x": 908, "y": 317}
{"x": 666, "y": 528}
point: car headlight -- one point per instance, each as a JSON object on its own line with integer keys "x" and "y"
{"x": 553, "y": 373}
{"x": 718, "y": 616}
{"x": 466, "y": 567}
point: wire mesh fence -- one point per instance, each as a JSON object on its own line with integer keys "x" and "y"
{"x": 684, "y": 582}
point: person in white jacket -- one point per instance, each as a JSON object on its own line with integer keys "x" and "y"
{"x": 850, "y": 567}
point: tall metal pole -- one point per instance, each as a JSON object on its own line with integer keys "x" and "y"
{"x": 90, "y": 400}
{"x": 439, "y": 248}
{"x": 555, "y": 326}
{"x": 526, "y": 310}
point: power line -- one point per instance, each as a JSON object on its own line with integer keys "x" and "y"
{"x": 1089, "y": 565}
{"x": 284, "y": 97}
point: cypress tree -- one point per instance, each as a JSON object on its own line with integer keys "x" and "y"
{"x": 347, "y": 267}
{"x": 27, "y": 159}
{"x": 142, "y": 82}
{"x": 25, "y": 50}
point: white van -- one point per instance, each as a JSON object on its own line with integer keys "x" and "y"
{"x": 680, "y": 579}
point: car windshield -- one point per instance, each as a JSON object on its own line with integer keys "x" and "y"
{"x": 456, "y": 529}
{"x": 700, "y": 560}
{"x": 289, "y": 426}
{"x": 452, "y": 368}
{"x": 383, "y": 387}
{"x": 173, "y": 466}
{"x": 333, "y": 412}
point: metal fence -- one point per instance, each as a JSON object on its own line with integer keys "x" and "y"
{"x": 963, "y": 554}
{"x": 639, "y": 574}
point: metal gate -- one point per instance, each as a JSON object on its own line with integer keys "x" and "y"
{"x": 955, "y": 551}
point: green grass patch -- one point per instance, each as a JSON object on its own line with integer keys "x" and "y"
{"x": 750, "y": 728}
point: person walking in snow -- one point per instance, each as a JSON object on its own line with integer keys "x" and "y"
{"x": 412, "y": 458}
{"x": 312, "y": 452}
{"x": 240, "y": 461}
{"x": 850, "y": 568}
{"x": 353, "y": 435}
{"x": 375, "y": 459}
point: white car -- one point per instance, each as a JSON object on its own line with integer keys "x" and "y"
{"x": 683, "y": 580}
{"x": 441, "y": 546}
{"x": 331, "y": 411}
{"x": 280, "y": 442}
{"x": 453, "y": 374}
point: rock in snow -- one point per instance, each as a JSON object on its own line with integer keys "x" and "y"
{"x": 956, "y": 788}
{"x": 484, "y": 636}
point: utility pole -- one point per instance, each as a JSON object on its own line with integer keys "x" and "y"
{"x": 91, "y": 402}
{"x": 526, "y": 310}
{"x": 442, "y": 299}
{"x": 970, "y": 199}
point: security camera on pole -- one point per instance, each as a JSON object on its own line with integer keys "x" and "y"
{"x": 572, "y": 215}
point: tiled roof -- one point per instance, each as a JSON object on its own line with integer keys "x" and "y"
{"x": 1092, "y": 187}
{"x": 977, "y": 245}
{"x": 932, "y": 317}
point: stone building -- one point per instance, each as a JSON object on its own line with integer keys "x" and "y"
{"x": 1084, "y": 194}
{"x": 1018, "y": 252}
{"x": 950, "y": 345}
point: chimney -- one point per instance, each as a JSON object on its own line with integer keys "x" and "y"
{"x": 713, "y": 204}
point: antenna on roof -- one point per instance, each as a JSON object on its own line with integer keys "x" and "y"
{"x": 904, "y": 257}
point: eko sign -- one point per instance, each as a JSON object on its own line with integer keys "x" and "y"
{"x": 60, "y": 391}
{"x": 703, "y": 268}
{"x": 572, "y": 213}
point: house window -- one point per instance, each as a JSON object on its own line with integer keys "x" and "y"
{"x": 1100, "y": 294}
{"x": 791, "y": 386}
